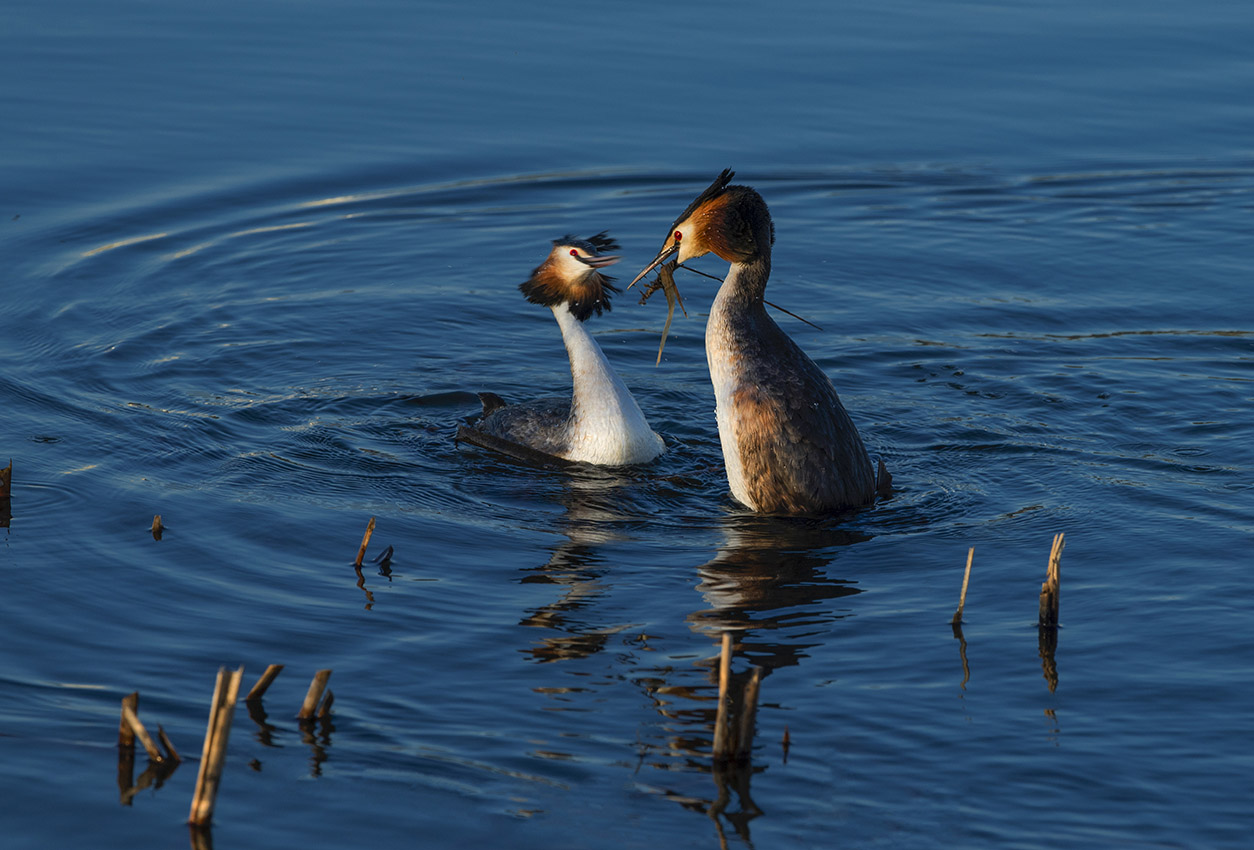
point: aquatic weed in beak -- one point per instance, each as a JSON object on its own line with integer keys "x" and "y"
{"x": 665, "y": 281}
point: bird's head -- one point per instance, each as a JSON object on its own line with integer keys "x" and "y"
{"x": 730, "y": 221}
{"x": 571, "y": 275}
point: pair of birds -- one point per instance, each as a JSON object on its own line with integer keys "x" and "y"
{"x": 788, "y": 445}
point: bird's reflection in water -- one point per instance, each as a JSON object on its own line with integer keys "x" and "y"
{"x": 769, "y": 577}
{"x": 769, "y": 587}
{"x": 575, "y": 568}
{"x": 769, "y": 584}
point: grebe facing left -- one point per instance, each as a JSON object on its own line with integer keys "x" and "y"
{"x": 601, "y": 423}
{"x": 788, "y": 445}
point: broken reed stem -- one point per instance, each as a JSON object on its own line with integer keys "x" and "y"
{"x": 748, "y": 713}
{"x": 137, "y": 728}
{"x": 6, "y": 480}
{"x": 1051, "y": 588}
{"x": 962, "y": 598}
{"x": 207, "y": 749}
{"x": 172, "y": 753}
{"x": 365, "y": 541}
{"x": 267, "y": 678}
{"x": 324, "y": 710}
{"x": 126, "y": 738}
{"x": 157, "y": 527}
{"x": 721, "y": 722}
{"x": 316, "y": 687}
{"x": 213, "y": 756}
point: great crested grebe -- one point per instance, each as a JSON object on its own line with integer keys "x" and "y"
{"x": 788, "y": 444}
{"x": 601, "y": 423}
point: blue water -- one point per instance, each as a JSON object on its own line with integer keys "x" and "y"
{"x": 258, "y": 258}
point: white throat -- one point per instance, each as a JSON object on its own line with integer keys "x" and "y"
{"x": 723, "y": 360}
{"x": 607, "y": 426}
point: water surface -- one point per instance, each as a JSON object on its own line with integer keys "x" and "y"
{"x": 260, "y": 258}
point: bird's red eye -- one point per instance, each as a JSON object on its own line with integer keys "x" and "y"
{"x": 678, "y": 236}
{"x": 574, "y": 253}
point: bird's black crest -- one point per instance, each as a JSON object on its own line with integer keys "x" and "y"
{"x": 599, "y": 243}
{"x": 603, "y": 242}
{"x": 712, "y": 191}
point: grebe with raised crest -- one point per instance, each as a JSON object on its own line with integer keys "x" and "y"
{"x": 789, "y": 446}
{"x": 601, "y": 423}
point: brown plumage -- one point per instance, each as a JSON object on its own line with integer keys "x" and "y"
{"x": 798, "y": 449}
{"x": 788, "y": 444}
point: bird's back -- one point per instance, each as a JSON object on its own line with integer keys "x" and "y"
{"x": 542, "y": 425}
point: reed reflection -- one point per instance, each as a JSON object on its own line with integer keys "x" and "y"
{"x": 318, "y": 739}
{"x": 962, "y": 654}
{"x": 265, "y": 729}
{"x": 6, "y": 506}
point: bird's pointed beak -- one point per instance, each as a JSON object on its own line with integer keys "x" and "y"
{"x": 601, "y": 261}
{"x": 662, "y": 256}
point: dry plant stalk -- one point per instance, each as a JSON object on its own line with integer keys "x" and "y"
{"x": 138, "y": 730}
{"x": 365, "y": 541}
{"x": 6, "y": 480}
{"x": 309, "y": 708}
{"x": 172, "y": 753}
{"x": 213, "y": 756}
{"x": 962, "y": 598}
{"x": 267, "y": 678}
{"x": 126, "y": 738}
{"x": 157, "y": 527}
{"x": 1051, "y": 588}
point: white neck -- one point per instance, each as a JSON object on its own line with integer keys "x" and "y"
{"x": 722, "y": 355}
{"x": 607, "y": 426}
